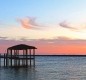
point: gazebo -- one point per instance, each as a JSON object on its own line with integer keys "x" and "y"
{"x": 20, "y": 55}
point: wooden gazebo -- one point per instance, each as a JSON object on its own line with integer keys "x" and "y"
{"x": 20, "y": 55}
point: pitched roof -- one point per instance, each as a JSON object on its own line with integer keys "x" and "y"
{"x": 22, "y": 47}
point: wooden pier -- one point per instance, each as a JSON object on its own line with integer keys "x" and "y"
{"x": 19, "y": 56}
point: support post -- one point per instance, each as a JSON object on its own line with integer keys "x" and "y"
{"x": 18, "y": 58}
{"x": 4, "y": 60}
{"x": 14, "y": 58}
{"x": 30, "y": 57}
{"x": 26, "y": 58}
{"x": 23, "y": 62}
{"x": 11, "y": 57}
{"x": 0, "y": 60}
{"x": 7, "y": 59}
{"x": 34, "y": 57}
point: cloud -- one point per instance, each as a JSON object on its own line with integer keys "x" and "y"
{"x": 3, "y": 37}
{"x": 63, "y": 38}
{"x": 57, "y": 41}
{"x": 60, "y": 42}
{"x": 29, "y": 23}
{"x": 73, "y": 26}
{"x": 65, "y": 24}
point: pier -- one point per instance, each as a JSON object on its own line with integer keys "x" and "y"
{"x": 19, "y": 56}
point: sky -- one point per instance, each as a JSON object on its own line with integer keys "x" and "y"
{"x": 55, "y": 27}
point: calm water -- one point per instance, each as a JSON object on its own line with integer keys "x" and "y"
{"x": 49, "y": 68}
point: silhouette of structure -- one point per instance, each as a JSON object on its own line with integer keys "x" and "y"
{"x": 19, "y": 56}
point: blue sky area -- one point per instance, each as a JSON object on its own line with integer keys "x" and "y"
{"x": 44, "y": 10}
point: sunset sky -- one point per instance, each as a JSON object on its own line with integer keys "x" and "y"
{"x": 53, "y": 26}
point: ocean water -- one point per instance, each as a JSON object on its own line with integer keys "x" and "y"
{"x": 49, "y": 68}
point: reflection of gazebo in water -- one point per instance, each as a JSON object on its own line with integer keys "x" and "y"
{"x": 20, "y": 55}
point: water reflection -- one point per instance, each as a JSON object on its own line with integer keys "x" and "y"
{"x": 17, "y": 74}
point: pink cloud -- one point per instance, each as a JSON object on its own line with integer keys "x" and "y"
{"x": 65, "y": 24}
{"x": 63, "y": 38}
{"x": 29, "y": 23}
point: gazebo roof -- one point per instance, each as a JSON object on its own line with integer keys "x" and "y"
{"x": 21, "y": 47}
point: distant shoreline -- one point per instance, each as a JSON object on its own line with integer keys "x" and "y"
{"x": 64, "y": 55}
{"x": 58, "y": 55}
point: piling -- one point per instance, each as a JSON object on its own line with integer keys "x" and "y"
{"x": 0, "y": 60}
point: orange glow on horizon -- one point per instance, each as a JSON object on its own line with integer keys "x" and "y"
{"x": 62, "y": 49}
{"x": 55, "y": 49}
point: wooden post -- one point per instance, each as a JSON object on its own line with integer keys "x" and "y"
{"x": 14, "y": 58}
{"x": 30, "y": 57}
{"x": 26, "y": 58}
{"x": 23, "y": 59}
{"x": 4, "y": 59}
{"x": 19, "y": 62}
{"x": 7, "y": 59}
{"x": 34, "y": 57}
{"x": 18, "y": 58}
{"x": 0, "y": 60}
{"x": 11, "y": 57}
